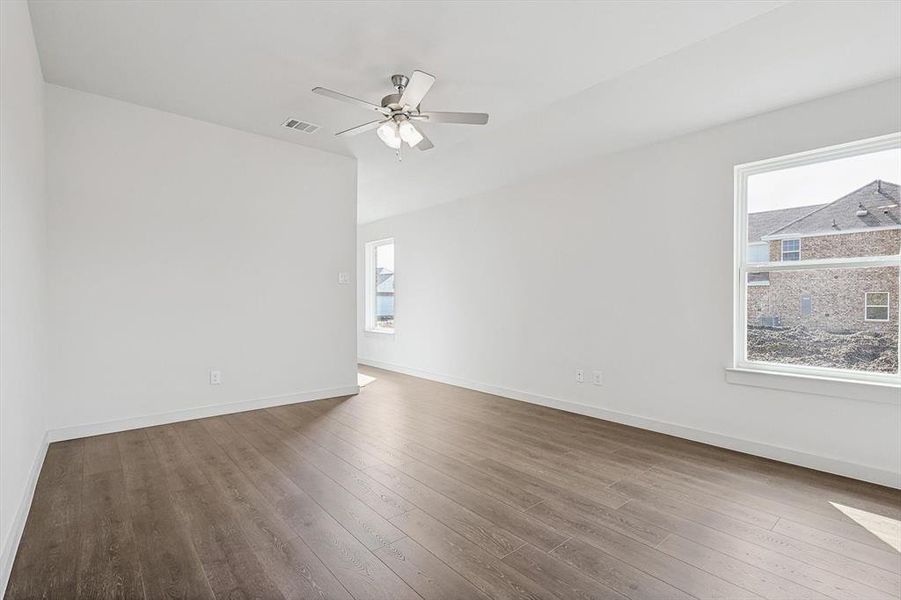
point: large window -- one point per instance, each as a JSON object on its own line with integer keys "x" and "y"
{"x": 379, "y": 295}
{"x": 823, "y": 230}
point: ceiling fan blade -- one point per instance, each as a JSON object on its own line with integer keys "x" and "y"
{"x": 419, "y": 85}
{"x": 349, "y": 99}
{"x": 426, "y": 143}
{"x": 465, "y": 118}
{"x": 361, "y": 128}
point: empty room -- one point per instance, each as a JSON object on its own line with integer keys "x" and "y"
{"x": 409, "y": 300}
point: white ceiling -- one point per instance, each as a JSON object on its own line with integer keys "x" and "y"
{"x": 561, "y": 80}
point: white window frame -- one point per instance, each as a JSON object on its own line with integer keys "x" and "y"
{"x": 784, "y": 251}
{"x": 740, "y": 362}
{"x": 887, "y": 306}
{"x": 370, "y": 294}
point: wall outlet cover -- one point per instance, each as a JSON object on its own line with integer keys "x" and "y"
{"x": 597, "y": 378}
{"x": 215, "y": 377}
{"x": 580, "y": 376}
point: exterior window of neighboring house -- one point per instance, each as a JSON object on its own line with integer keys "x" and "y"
{"x": 379, "y": 292}
{"x": 759, "y": 252}
{"x": 791, "y": 249}
{"x": 876, "y": 306}
{"x": 842, "y": 204}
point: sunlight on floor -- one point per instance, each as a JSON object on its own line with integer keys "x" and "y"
{"x": 886, "y": 529}
{"x": 364, "y": 379}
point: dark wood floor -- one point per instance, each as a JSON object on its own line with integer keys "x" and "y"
{"x": 415, "y": 489}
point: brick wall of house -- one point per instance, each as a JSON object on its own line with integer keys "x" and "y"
{"x": 837, "y": 295}
{"x": 759, "y": 305}
{"x": 864, "y": 243}
{"x": 837, "y": 298}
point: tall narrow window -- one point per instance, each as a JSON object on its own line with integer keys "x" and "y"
{"x": 831, "y": 223}
{"x": 379, "y": 296}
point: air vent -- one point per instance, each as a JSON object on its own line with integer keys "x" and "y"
{"x": 301, "y": 126}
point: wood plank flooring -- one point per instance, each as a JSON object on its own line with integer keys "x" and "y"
{"x": 414, "y": 489}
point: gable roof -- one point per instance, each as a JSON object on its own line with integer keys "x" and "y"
{"x": 877, "y": 201}
{"x": 762, "y": 223}
{"x": 385, "y": 280}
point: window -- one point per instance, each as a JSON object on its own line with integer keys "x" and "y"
{"x": 842, "y": 205}
{"x": 759, "y": 252}
{"x": 791, "y": 249}
{"x": 379, "y": 293}
{"x": 876, "y": 306}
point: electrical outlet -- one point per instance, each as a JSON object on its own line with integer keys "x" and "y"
{"x": 580, "y": 376}
{"x": 597, "y": 378}
{"x": 343, "y": 278}
{"x": 215, "y": 377}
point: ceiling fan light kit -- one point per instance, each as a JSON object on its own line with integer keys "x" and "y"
{"x": 388, "y": 133}
{"x": 409, "y": 133}
{"x": 400, "y": 110}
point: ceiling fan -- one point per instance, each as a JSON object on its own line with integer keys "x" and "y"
{"x": 400, "y": 110}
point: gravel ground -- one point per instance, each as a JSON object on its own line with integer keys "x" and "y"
{"x": 861, "y": 350}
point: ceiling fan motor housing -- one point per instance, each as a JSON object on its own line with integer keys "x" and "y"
{"x": 392, "y": 101}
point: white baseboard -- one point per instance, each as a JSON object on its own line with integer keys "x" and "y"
{"x": 779, "y": 453}
{"x": 212, "y": 410}
{"x": 11, "y": 543}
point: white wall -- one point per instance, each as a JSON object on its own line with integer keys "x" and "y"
{"x": 624, "y": 264}
{"x": 22, "y": 273}
{"x": 177, "y": 246}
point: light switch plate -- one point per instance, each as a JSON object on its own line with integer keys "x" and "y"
{"x": 343, "y": 278}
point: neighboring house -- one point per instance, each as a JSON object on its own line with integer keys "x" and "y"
{"x": 384, "y": 295}
{"x": 866, "y": 222}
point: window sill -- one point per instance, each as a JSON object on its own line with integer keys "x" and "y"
{"x": 880, "y": 393}
{"x": 382, "y": 331}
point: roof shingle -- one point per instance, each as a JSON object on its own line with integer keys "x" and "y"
{"x": 877, "y": 202}
{"x": 762, "y": 223}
